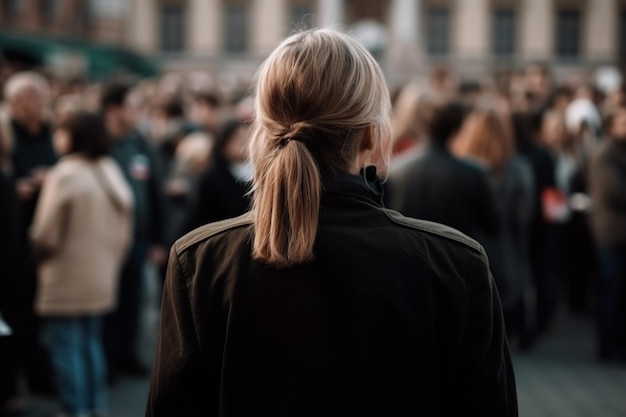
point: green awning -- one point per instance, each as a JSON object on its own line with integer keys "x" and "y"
{"x": 94, "y": 60}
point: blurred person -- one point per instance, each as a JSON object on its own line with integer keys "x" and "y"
{"x": 137, "y": 161}
{"x": 12, "y": 247}
{"x": 168, "y": 123}
{"x": 583, "y": 121}
{"x": 320, "y": 301}
{"x": 191, "y": 159}
{"x": 81, "y": 232}
{"x": 543, "y": 236}
{"x": 575, "y": 259}
{"x": 442, "y": 81}
{"x": 66, "y": 105}
{"x": 560, "y": 98}
{"x": 539, "y": 83}
{"x": 29, "y": 144}
{"x": 437, "y": 186}
{"x": 408, "y": 131}
{"x": 205, "y": 112}
{"x": 484, "y": 138}
{"x": 607, "y": 181}
{"x": 178, "y": 176}
{"x": 223, "y": 189}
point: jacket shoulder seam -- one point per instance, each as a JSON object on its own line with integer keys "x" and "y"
{"x": 433, "y": 228}
{"x": 207, "y": 231}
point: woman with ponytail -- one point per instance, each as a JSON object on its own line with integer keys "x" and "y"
{"x": 319, "y": 301}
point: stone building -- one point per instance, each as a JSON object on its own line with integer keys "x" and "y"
{"x": 473, "y": 37}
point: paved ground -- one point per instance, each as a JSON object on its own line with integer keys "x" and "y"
{"x": 558, "y": 378}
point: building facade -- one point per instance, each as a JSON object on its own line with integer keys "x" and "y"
{"x": 474, "y": 37}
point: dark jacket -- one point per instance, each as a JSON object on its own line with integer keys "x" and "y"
{"x": 439, "y": 187}
{"x": 219, "y": 196}
{"x": 394, "y": 317}
{"x": 29, "y": 153}
{"x": 12, "y": 245}
{"x": 137, "y": 161}
{"x": 607, "y": 180}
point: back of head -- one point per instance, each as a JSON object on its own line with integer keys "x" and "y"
{"x": 317, "y": 95}
{"x": 87, "y": 132}
{"x": 114, "y": 95}
{"x": 442, "y": 116}
{"x": 485, "y": 138}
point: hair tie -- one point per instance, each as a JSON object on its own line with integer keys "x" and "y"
{"x": 293, "y": 133}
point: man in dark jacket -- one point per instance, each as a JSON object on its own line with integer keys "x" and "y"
{"x": 437, "y": 186}
{"x": 136, "y": 159}
{"x": 29, "y": 144}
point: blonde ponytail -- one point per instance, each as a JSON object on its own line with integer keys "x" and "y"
{"x": 286, "y": 206}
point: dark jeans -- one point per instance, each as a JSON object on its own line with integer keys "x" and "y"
{"x": 611, "y": 322}
{"x": 76, "y": 354}
{"x": 545, "y": 257}
{"x": 121, "y": 328}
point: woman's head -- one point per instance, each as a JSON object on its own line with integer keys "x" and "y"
{"x": 322, "y": 107}
{"x": 325, "y": 91}
{"x": 81, "y": 132}
{"x": 485, "y": 138}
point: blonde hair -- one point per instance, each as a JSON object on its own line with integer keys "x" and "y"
{"x": 316, "y": 95}
{"x": 485, "y": 137}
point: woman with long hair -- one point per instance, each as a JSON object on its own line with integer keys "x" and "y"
{"x": 487, "y": 140}
{"x": 319, "y": 301}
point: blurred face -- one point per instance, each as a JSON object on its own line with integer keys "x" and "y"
{"x": 130, "y": 111}
{"x": 236, "y": 150}
{"x": 29, "y": 105}
{"x": 618, "y": 126}
{"x": 62, "y": 142}
{"x": 553, "y": 133}
{"x": 203, "y": 114}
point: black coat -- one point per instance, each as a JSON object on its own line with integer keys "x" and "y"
{"x": 219, "y": 196}
{"x": 394, "y": 317}
{"x": 439, "y": 187}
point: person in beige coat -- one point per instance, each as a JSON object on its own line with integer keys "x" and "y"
{"x": 81, "y": 233}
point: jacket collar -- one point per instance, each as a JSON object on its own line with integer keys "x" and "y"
{"x": 366, "y": 186}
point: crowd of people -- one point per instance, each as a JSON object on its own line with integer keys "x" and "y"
{"x": 99, "y": 180}
{"x": 93, "y": 189}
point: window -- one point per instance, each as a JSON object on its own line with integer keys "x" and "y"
{"x": 438, "y": 31}
{"x": 503, "y": 31}
{"x": 568, "y": 34}
{"x": 236, "y": 25}
{"x": 172, "y": 28}
{"x": 301, "y": 17}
